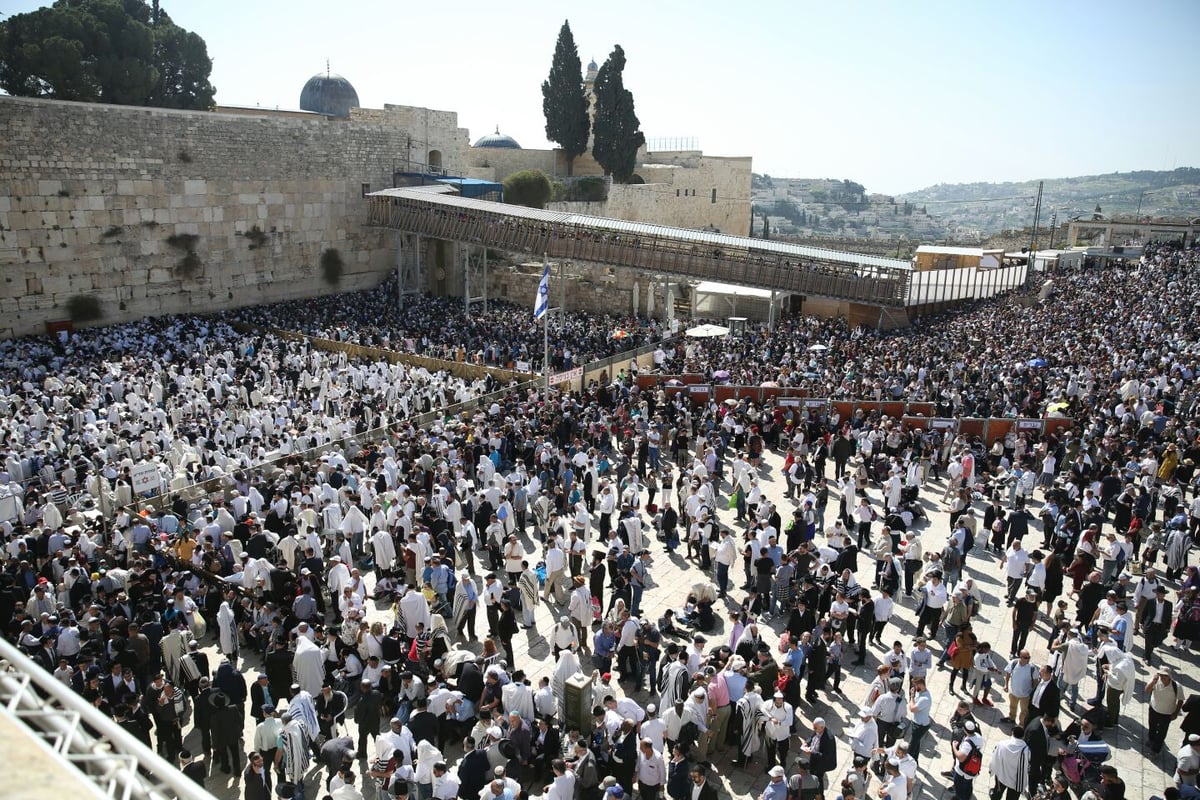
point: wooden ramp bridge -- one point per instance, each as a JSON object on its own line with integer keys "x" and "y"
{"x": 689, "y": 254}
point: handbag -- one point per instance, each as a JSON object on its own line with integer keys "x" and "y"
{"x": 199, "y": 626}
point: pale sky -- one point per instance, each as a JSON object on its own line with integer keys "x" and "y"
{"x": 894, "y": 95}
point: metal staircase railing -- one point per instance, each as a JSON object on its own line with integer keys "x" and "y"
{"x": 103, "y": 752}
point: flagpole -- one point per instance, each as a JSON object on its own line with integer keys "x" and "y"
{"x": 546, "y": 330}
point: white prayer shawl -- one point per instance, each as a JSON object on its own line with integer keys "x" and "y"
{"x": 528, "y": 586}
{"x": 306, "y": 709}
{"x": 297, "y": 750}
{"x": 581, "y": 607}
{"x": 633, "y": 529}
{"x": 339, "y": 578}
{"x": 1074, "y": 662}
{"x": 414, "y": 608}
{"x": 174, "y": 647}
{"x": 227, "y": 623}
{"x": 1010, "y": 763}
{"x": 517, "y": 697}
{"x": 674, "y": 685}
{"x": 309, "y": 665}
{"x": 568, "y": 665}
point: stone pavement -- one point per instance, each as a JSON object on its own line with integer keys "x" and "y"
{"x": 673, "y": 576}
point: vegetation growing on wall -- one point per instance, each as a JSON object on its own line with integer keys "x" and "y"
{"x": 332, "y": 266}
{"x": 84, "y": 308}
{"x": 257, "y": 237}
{"x": 189, "y": 266}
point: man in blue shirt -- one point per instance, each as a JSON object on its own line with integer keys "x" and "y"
{"x": 920, "y": 707}
{"x": 776, "y": 786}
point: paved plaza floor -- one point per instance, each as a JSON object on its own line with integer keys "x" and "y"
{"x": 1143, "y": 773}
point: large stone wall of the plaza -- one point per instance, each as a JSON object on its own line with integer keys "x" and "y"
{"x": 107, "y": 201}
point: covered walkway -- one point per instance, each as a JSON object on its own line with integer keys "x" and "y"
{"x": 683, "y": 252}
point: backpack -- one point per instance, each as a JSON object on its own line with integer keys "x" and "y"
{"x": 974, "y": 762}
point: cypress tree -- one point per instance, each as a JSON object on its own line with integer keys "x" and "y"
{"x": 563, "y": 100}
{"x": 616, "y": 132}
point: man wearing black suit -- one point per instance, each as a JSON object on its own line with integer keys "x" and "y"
{"x": 423, "y": 724}
{"x": 822, "y": 751}
{"x": 1156, "y": 621}
{"x": 1047, "y": 697}
{"x": 470, "y": 680}
{"x": 331, "y": 709}
{"x": 261, "y": 695}
{"x": 473, "y": 772}
{"x": 257, "y": 779}
{"x": 679, "y": 782}
{"x": 703, "y": 788}
{"x": 547, "y": 745}
{"x": 1038, "y": 735}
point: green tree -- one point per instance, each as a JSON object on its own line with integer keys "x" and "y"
{"x": 616, "y": 130}
{"x": 529, "y": 187}
{"x": 766, "y": 232}
{"x": 104, "y": 51}
{"x": 563, "y": 100}
{"x": 183, "y": 68}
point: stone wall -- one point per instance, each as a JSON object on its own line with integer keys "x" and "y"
{"x": 156, "y": 211}
{"x": 684, "y": 189}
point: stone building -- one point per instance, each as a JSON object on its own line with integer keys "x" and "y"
{"x": 156, "y": 211}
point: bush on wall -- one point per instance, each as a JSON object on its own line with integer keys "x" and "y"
{"x": 332, "y": 266}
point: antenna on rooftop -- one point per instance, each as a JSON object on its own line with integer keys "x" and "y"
{"x": 326, "y": 67}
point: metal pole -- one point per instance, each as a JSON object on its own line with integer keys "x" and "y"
{"x": 1037, "y": 213}
{"x": 546, "y": 332}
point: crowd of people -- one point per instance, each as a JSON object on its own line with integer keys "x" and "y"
{"x": 994, "y": 357}
{"x": 343, "y": 592}
{"x": 439, "y": 327}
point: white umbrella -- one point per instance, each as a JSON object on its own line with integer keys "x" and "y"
{"x": 707, "y": 330}
{"x": 817, "y": 348}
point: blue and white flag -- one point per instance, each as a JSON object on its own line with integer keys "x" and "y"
{"x": 541, "y": 304}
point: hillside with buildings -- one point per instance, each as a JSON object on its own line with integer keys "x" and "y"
{"x": 997, "y": 207}
{"x": 821, "y": 208}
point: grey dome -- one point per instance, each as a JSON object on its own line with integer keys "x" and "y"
{"x": 498, "y": 139}
{"x": 329, "y": 94}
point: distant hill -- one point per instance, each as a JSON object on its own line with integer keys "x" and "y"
{"x": 995, "y": 207}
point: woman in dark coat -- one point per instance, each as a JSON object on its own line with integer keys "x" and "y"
{"x": 1054, "y": 581}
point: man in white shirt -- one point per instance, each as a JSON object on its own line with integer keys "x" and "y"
{"x": 726, "y": 557}
{"x": 562, "y": 787}
{"x": 864, "y": 736}
{"x": 651, "y": 771}
{"x": 556, "y": 566}
{"x": 1016, "y": 564}
{"x": 780, "y": 716}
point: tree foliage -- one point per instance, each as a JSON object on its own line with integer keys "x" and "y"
{"x": 105, "y": 51}
{"x": 563, "y": 100}
{"x": 616, "y": 131}
{"x": 529, "y": 187}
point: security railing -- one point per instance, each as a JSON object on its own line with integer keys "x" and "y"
{"x": 79, "y": 735}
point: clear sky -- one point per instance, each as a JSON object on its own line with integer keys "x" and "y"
{"x": 894, "y": 95}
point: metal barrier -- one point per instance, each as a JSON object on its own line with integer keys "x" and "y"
{"x": 101, "y": 750}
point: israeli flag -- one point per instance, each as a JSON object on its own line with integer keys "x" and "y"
{"x": 542, "y": 303}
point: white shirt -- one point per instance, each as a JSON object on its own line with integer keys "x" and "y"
{"x": 1014, "y": 563}
{"x": 779, "y": 720}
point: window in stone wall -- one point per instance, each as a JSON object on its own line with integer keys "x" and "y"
{"x": 714, "y": 196}
{"x": 366, "y": 189}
